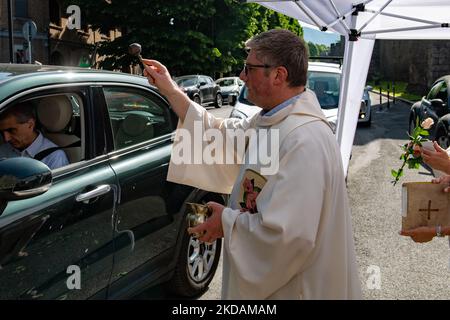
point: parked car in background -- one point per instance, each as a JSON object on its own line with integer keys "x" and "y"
{"x": 109, "y": 215}
{"x": 243, "y": 108}
{"x": 201, "y": 89}
{"x": 230, "y": 88}
{"x": 324, "y": 79}
{"x": 434, "y": 105}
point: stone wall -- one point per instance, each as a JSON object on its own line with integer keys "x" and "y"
{"x": 418, "y": 62}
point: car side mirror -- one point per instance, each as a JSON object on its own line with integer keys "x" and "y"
{"x": 369, "y": 88}
{"x": 439, "y": 107}
{"x": 438, "y": 103}
{"x": 202, "y": 83}
{"x": 22, "y": 178}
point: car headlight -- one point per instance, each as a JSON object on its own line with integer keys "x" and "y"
{"x": 363, "y": 110}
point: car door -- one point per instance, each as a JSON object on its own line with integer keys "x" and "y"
{"x": 206, "y": 89}
{"x": 141, "y": 130}
{"x": 58, "y": 245}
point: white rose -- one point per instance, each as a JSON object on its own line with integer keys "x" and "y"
{"x": 427, "y": 123}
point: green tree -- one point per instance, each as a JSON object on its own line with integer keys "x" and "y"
{"x": 196, "y": 36}
{"x": 313, "y": 50}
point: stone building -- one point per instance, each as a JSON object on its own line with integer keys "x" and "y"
{"x": 417, "y": 62}
{"x": 55, "y": 42}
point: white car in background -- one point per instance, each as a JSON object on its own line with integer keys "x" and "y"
{"x": 230, "y": 88}
{"x": 324, "y": 79}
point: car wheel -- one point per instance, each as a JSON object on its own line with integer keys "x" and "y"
{"x": 442, "y": 138}
{"x": 196, "y": 265}
{"x": 219, "y": 101}
{"x": 197, "y": 100}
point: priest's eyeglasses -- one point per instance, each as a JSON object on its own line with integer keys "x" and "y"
{"x": 248, "y": 66}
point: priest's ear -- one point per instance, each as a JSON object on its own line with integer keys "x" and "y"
{"x": 281, "y": 75}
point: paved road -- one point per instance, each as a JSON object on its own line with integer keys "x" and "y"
{"x": 223, "y": 112}
{"x": 407, "y": 270}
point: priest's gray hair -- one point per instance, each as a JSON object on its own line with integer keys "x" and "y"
{"x": 279, "y": 47}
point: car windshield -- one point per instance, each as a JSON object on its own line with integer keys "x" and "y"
{"x": 326, "y": 87}
{"x": 226, "y": 82}
{"x": 243, "y": 96}
{"x": 186, "y": 82}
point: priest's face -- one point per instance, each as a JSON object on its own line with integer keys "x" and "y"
{"x": 258, "y": 78}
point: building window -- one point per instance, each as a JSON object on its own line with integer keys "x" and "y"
{"x": 21, "y": 8}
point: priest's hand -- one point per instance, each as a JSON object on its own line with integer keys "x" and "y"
{"x": 212, "y": 226}
{"x": 421, "y": 234}
{"x": 437, "y": 159}
{"x": 158, "y": 75}
{"x": 445, "y": 181}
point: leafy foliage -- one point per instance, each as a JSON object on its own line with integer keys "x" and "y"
{"x": 416, "y": 139}
{"x": 196, "y": 36}
{"x": 317, "y": 49}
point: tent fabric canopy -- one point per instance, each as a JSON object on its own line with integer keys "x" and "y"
{"x": 361, "y": 22}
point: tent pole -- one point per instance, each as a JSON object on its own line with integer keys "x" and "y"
{"x": 374, "y": 16}
{"x": 403, "y": 17}
{"x": 440, "y": 25}
{"x": 339, "y": 18}
{"x": 304, "y": 9}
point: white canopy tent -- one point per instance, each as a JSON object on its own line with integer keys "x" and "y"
{"x": 361, "y": 22}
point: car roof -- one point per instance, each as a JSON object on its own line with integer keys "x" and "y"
{"x": 16, "y": 78}
{"x": 191, "y": 76}
{"x": 226, "y": 78}
{"x": 324, "y": 67}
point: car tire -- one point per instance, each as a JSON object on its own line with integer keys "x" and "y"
{"x": 196, "y": 265}
{"x": 219, "y": 101}
{"x": 197, "y": 100}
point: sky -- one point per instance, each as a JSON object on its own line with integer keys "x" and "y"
{"x": 319, "y": 37}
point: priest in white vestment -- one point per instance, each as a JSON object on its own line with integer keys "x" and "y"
{"x": 287, "y": 228}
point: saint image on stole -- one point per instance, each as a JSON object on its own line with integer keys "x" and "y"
{"x": 251, "y": 185}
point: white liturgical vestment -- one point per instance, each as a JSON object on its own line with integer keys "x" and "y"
{"x": 299, "y": 242}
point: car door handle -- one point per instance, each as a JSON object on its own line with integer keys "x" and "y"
{"x": 98, "y": 191}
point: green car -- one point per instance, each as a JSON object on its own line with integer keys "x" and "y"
{"x": 107, "y": 225}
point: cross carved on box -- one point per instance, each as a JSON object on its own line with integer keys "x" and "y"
{"x": 429, "y": 209}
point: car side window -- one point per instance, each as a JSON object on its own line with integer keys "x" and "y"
{"x": 204, "y": 79}
{"x": 135, "y": 116}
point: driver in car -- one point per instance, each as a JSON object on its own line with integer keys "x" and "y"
{"x": 22, "y": 139}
